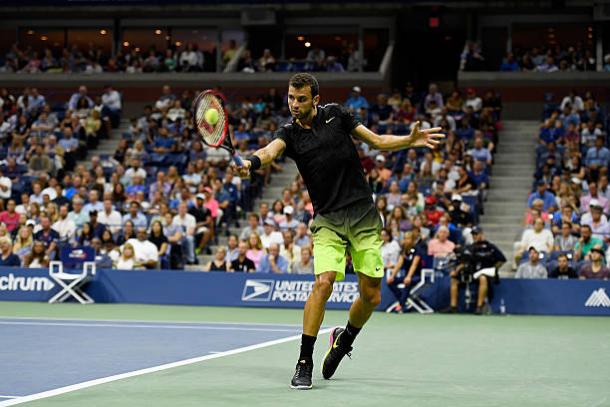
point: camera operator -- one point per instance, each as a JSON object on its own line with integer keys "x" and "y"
{"x": 475, "y": 257}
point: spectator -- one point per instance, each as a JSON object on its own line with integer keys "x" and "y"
{"x": 64, "y": 226}
{"x": 595, "y": 269}
{"x": 441, "y": 246}
{"x": 6, "y": 186}
{"x": 158, "y": 238}
{"x": 255, "y": 249}
{"x": 189, "y": 225}
{"x": 9, "y": 216}
{"x": 586, "y": 242}
{"x": 270, "y": 235}
{"x": 110, "y": 217}
{"x": 473, "y": 101}
{"x": 509, "y": 64}
{"x": 433, "y": 95}
{"x": 7, "y": 258}
{"x": 266, "y": 62}
{"x": 146, "y": 253}
{"x": 542, "y": 193}
{"x": 565, "y": 241}
{"x": 252, "y": 227}
{"x": 288, "y": 223}
{"x": 356, "y": 102}
{"x": 24, "y": 242}
{"x": 273, "y": 262}
{"x": 220, "y": 262}
{"x": 135, "y": 216}
{"x": 78, "y": 96}
{"x": 390, "y": 250}
{"x": 127, "y": 260}
{"x": 302, "y": 237}
{"x": 38, "y": 257}
{"x": 532, "y": 268}
{"x": 563, "y": 270}
{"x": 305, "y": 265}
{"x": 242, "y": 262}
{"x": 598, "y": 155}
{"x": 289, "y": 250}
{"x": 47, "y": 236}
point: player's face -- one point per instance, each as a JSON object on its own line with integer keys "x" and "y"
{"x": 300, "y": 102}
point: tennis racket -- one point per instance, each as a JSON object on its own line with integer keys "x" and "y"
{"x": 214, "y": 135}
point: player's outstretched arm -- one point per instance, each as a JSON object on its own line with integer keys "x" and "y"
{"x": 266, "y": 156}
{"x": 418, "y": 138}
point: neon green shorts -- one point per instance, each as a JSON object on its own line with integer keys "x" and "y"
{"x": 354, "y": 230}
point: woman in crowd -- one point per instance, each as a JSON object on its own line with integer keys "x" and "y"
{"x": 157, "y": 236}
{"x": 255, "y": 250}
{"x": 127, "y": 259}
{"x": 305, "y": 265}
{"x": 38, "y": 257}
{"x": 24, "y": 242}
{"x": 219, "y": 263}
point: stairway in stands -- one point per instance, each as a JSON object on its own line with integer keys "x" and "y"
{"x": 107, "y": 146}
{"x": 511, "y": 182}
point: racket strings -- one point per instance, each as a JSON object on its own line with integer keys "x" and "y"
{"x": 211, "y": 133}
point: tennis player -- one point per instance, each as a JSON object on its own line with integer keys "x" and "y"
{"x": 319, "y": 140}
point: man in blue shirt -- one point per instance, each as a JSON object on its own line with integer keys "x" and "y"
{"x": 134, "y": 215}
{"x": 273, "y": 262}
{"x": 541, "y": 193}
{"x": 598, "y": 155}
{"x": 356, "y": 101}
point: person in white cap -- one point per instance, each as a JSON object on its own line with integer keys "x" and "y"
{"x": 289, "y": 223}
{"x": 356, "y": 102}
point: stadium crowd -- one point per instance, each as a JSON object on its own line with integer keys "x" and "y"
{"x": 566, "y": 226}
{"x": 184, "y": 58}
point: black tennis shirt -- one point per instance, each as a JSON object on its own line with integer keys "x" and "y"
{"x": 327, "y": 158}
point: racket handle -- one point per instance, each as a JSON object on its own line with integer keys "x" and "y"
{"x": 238, "y": 160}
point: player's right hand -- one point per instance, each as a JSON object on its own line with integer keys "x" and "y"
{"x": 244, "y": 170}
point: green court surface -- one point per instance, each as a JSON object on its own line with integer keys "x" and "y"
{"x": 398, "y": 360}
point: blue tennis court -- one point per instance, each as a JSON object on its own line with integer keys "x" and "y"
{"x": 38, "y": 355}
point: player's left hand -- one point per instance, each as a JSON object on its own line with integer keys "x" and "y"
{"x": 430, "y": 138}
{"x": 243, "y": 171}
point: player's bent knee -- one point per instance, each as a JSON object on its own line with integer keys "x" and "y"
{"x": 371, "y": 298}
{"x": 324, "y": 285}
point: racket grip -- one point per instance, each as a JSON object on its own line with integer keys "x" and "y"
{"x": 237, "y": 159}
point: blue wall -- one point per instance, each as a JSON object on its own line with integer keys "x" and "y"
{"x": 552, "y": 297}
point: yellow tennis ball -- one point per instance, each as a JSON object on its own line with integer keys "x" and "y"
{"x": 211, "y": 116}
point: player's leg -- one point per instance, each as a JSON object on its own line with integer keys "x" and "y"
{"x": 483, "y": 289}
{"x": 329, "y": 254}
{"x": 365, "y": 248}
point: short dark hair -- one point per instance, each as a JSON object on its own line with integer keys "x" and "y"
{"x": 301, "y": 80}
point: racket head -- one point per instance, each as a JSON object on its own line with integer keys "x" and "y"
{"x": 214, "y": 135}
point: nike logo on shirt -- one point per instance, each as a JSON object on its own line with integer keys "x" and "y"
{"x": 329, "y": 120}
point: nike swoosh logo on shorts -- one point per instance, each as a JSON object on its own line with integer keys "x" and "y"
{"x": 329, "y": 120}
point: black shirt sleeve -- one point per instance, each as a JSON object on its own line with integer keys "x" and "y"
{"x": 283, "y": 134}
{"x": 348, "y": 121}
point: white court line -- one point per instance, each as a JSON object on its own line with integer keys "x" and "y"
{"x": 108, "y": 379}
{"x": 127, "y": 325}
{"x": 150, "y": 321}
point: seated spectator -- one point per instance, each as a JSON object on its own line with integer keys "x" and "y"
{"x": 158, "y": 238}
{"x": 220, "y": 262}
{"x": 356, "y": 101}
{"x": 586, "y": 242}
{"x": 24, "y": 242}
{"x": 10, "y": 217}
{"x": 127, "y": 259}
{"x": 538, "y": 237}
{"x": 565, "y": 241}
{"x": 390, "y": 250}
{"x": 595, "y": 269}
{"x": 38, "y": 257}
{"x": 64, "y": 226}
{"x": 563, "y": 270}
{"x": 305, "y": 265}
{"x": 541, "y": 193}
{"x": 273, "y": 262}
{"x": 189, "y": 225}
{"x": 7, "y": 258}
{"x": 135, "y": 216}
{"x": 47, "y": 236}
{"x": 146, "y": 253}
{"x": 252, "y": 227}
{"x": 270, "y": 235}
{"x": 441, "y": 246}
{"x": 289, "y": 250}
{"x": 532, "y": 268}
{"x": 302, "y": 237}
{"x": 242, "y": 263}
{"x": 509, "y": 64}
{"x": 598, "y": 155}
{"x": 288, "y": 223}
{"x": 255, "y": 249}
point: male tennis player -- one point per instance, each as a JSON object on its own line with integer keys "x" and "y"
{"x": 319, "y": 141}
